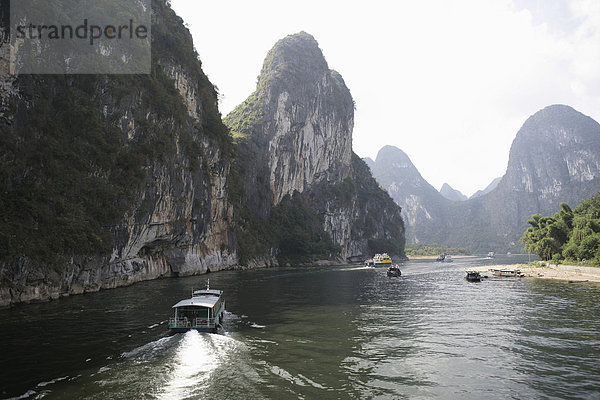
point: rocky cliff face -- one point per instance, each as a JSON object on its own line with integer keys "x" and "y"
{"x": 554, "y": 158}
{"x": 556, "y": 149}
{"x": 295, "y": 131}
{"x": 127, "y": 180}
{"x": 302, "y": 114}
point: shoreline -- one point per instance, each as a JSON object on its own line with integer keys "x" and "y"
{"x": 433, "y": 258}
{"x": 570, "y": 273}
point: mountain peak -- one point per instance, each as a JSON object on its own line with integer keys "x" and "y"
{"x": 296, "y": 57}
{"x": 452, "y": 194}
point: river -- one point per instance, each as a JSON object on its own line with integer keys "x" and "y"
{"x": 314, "y": 333}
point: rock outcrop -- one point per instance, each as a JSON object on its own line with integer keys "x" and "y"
{"x": 295, "y": 132}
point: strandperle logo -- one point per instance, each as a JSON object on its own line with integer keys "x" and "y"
{"x": 84, "y": 31}
{"x": 80, "y": 37}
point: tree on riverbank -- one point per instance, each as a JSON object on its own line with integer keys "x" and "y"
{"x": 415, "y": 250}
{"x": 572, "y": 235}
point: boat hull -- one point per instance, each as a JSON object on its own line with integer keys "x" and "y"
{"x": 193, "y": 328}
{"x": 383, "y": 264}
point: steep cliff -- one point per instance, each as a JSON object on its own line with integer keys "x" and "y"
{"x": 554, "y": 158}
{"x": 294, "y": 138}
{"x": 109, "y": 180}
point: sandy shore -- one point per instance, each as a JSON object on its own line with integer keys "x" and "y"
{"x": 562, "y": 272}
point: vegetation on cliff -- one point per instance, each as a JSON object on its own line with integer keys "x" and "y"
{"x": 571, "y": 235}
{"x": 69, "y": 170}
{"x": 299, "y": 191}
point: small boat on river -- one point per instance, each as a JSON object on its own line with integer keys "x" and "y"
{"x": 507, "y": 273}
{"x": 473, "y": 276}
{"x": 444, "y": 258}
{"x": 202, "y": 312}
{"x": 382, "y": 260}
{"x": 394, "y": 270}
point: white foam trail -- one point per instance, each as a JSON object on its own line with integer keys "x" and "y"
{"x": 197, "y": 357}
{"x": 26, "y": 395}
{"x": 53, "y": 381}
{"x": 148, "y": 348}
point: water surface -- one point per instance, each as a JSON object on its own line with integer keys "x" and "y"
{"x": 341, "y": 332}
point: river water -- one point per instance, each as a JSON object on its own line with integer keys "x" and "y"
{"x": 314, "y": 333}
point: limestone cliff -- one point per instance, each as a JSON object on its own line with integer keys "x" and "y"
{"x": 295, "y": 135}
{"x": 109, "y": 180}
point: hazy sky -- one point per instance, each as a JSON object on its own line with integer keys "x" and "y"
{"x": 449, "y": 82}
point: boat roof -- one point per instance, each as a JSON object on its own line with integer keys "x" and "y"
{"x": 201, "y": 298}
{"x": 207, "y": 292}
{"x": 199, "y": 301}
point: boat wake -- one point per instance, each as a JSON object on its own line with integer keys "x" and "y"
{"x": 195, "y": 360}
{"x": 149, "y": 350}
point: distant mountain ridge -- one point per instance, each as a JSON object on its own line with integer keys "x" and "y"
{"x": 554, "y": 158}
{"x": 452, "y": 194}
{"x": 487, "y": 189}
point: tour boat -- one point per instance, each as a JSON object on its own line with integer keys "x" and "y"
{"x": 507, "y": 273}
{"x": 382, "y": 260}
{"x": 473, "y": 276}
{"x": 394, "y": 270}
{"x": 202, "y": 312}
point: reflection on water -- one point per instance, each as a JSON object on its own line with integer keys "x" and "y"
{"x": 196, "y": 358}
{"x": 345, "y": 332}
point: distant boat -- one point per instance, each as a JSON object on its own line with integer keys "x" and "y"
{"x": 382, "y": 260}
{"x": 202, "y": 312}
{"x": 490, "y": 255}
{"x": 394, "y": 270}
{"x": 507, "y": 273}
{"x": 444, "y": 258}
{"x": 473, "y": 276}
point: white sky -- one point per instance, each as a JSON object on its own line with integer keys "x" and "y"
{"x": 450, "y": 82}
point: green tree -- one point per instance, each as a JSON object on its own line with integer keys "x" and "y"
{"x": 571, "y": 234}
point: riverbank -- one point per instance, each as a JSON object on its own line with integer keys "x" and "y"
{"x": 433, "y": 258}
{"x": 571, "y": 273}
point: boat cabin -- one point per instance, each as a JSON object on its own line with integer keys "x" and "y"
{"x": 511, "y": 273}
{"x": 202, "y": 312}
